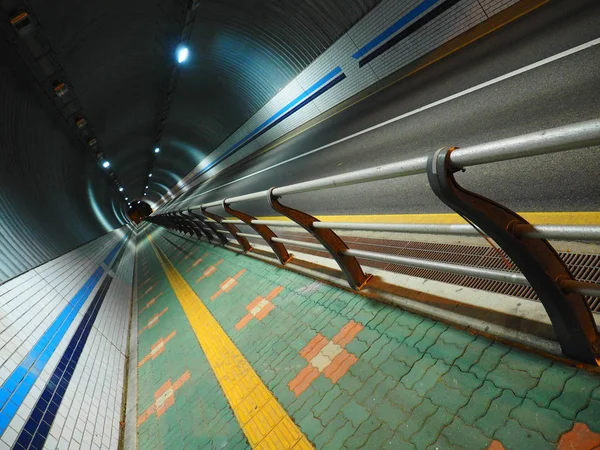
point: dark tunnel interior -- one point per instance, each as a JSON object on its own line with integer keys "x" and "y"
{"x": 84, "y": 83}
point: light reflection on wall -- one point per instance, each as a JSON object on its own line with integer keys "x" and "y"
{"x": 118, "y": 212}
{"x": 97, "y": 211}
{"x": 166, "y": 174}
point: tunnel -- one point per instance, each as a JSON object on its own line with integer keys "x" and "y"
{"x": 318, "y": 224}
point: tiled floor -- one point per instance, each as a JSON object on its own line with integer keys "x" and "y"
{"x": 235, "y": 353}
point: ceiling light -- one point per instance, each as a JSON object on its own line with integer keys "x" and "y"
{"x": 146, "y": 187}
{"x": 60, "y": 88}
{"x": 156, "y": 150}
{"x": 182, "y": 54}
{"x": 126, "y": 198}
{"x": 80, "y": 122}
{"x": 145, "y": 193}
{"x": 121, "y": 189}
{"x": 150, "y": 176}
{"x": 106, "y": 164}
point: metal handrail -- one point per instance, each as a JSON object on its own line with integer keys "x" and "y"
{"x": 542, "y": 267}
{"x": 300, "y": 243}
{"x": 552, "y": 232}
{"x": 560, "y": 139}
{"x": 579, "y": 287}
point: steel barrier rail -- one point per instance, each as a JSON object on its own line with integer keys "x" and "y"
{"x": 580, "y": 287}
{"x": 526, "y": 244}
{"x": 552, "y": 232}
{"x": 559, "y": 139}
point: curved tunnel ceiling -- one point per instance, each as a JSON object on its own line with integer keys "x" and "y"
{"x": 53, "y": 194}
{"x": 119, "y": 58}
{"x": 243, "y": 52}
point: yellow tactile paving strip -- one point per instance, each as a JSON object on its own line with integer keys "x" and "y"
{"x": 262, "y": 418}
{"x": 536, "y": 218}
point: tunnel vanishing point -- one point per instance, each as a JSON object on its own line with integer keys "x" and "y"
{"x": 276, "y": 224}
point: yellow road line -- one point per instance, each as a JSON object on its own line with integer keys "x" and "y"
{"x": 536, "y": 218}
{"x": 262, "y": 418}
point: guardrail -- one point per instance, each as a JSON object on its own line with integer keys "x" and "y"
{"x": 527, "y": 245}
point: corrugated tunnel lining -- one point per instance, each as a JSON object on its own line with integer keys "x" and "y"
{"x": 584, "y": 267}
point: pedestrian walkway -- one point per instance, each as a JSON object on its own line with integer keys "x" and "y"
{"x": 236, "y": 353}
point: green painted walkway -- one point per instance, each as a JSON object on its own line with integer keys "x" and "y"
{"x": 350, "y": 372}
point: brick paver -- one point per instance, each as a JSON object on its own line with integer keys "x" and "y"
{"x": 351, "y": 372}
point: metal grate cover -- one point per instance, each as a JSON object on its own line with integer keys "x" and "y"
{"x": 584, "y": 267}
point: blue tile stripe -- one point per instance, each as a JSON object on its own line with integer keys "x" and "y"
{"x": 17, "y": 385}
{"x": 334, "y": 75}
{"x": 114, "y": 251}
{"x": 394, "y": 28}
{"x": 36, "y": 429}
{"x": 317, "y": 89}
{"x": 415, "y": 26}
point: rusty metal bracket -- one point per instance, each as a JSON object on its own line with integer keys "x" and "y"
{"x": 205, "y": 227}
{"x": 536, "y": 258}
{"x": 192, "y": 224}
{"x": 210, "y": 229}
{"x": 176, "y": 224}
{"x": 186, "y": 228}
{"x": 230, "y": 227}
{"x": 265, "y": 232}
{"x": 328, "y": 239}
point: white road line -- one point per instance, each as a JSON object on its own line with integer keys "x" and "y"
{"x": 478, "y": 87}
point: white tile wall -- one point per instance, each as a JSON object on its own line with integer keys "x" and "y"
{"x": 448, "y": 25}
{"x": 89, "y": 414}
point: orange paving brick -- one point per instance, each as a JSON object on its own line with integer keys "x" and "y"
{"x": 303, "y": 380}
{"x": 260, "y": 307}
{"x": 243, "y": 322}
{"x": 209, "y": 270}
{"x": 326, "y": 357}
{"x": 198, "y": 261}
{"x": 339, "y": 366}
{"x": 228, "y": 284}
{"x": 153, "y": 320}
{"x": 150, "y": 303}
{"x": 347, "y": 333}
{"x": 580, "y": 437}
{"x": 313, "y": 347}
{"x": 164, "y": 398}
{"x": 274, "y": 293}
{"x": 157, "y": 348}
{"x": 150, "y": 288}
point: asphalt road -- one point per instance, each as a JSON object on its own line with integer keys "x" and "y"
{"x": 559, "y": 93}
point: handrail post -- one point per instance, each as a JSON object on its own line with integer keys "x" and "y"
{"x": 192, "y": 224}
{"x": 264, "y": 231}
{"x": 230, "y": 227}
{"x": 199, "y": 224}
{"x": 569, "y": 313}
{"x": 329, "y": 239}
{"x": 174, "y": 223}
{"x": 209, "y": 228}
{"x": 185, "y": 228}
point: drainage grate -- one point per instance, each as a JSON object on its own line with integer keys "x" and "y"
{"x": 584, "y": 267}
